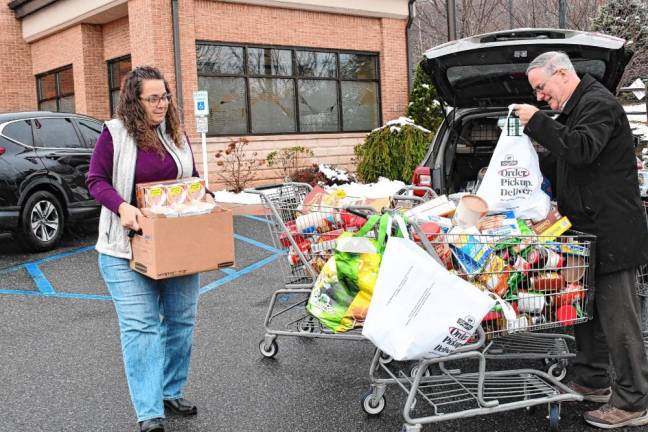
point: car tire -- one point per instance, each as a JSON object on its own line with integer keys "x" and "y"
{"x": 41, "y": 221}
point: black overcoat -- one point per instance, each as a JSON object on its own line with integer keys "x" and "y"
{"x": 596, "y": 181}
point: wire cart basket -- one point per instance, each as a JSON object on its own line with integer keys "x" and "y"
{"x": 547, "y": 280}
{"x": 306, "y": 233}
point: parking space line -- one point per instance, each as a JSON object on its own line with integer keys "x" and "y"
{"x": 257, "y": 218}
{"x": 47, "y": 259}
{"x": 40, "y": 280}
{"x": 258, "y": 244}
{"x": 252, "y": 267}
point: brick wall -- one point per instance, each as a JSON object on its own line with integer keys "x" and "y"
{"x": 239, "y": 23}
{"x": 18, "y": 84}
{"x": 151, "y": 34}
{"x": 116, "y": 39}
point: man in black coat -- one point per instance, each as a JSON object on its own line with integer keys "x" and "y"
{"x": 597, "y": 188}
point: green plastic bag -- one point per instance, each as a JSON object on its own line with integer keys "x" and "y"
{"x": 342, "y": 292}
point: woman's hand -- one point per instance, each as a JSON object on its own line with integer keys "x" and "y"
{"x": 209, "y": 198}
{"x": 129, "y": 215}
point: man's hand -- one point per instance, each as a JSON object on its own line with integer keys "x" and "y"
{"x": 524, "y": 112}
{"x": 129, "y": 215}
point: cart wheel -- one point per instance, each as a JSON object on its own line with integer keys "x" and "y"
{"x": 554, "y": 417}
{"x": 268, "y": 351}
{"x": 558, "y": 371}
{"x": 306, "y": 325}
{"x": 371, "y": 407}
{"x": 414, "y": 370}
{"x": 385, "y": 358}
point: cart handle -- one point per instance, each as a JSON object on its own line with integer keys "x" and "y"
{"x": 259, "y": 189}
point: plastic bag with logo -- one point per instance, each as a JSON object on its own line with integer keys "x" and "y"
{"x": 513, "y": 180}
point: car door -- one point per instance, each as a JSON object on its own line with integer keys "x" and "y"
{"x": 65, "y": 156}
{"x": 19, "y": 163}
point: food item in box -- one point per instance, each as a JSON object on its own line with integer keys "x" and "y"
{"x": 549, "y": 281}
{"x": 316, "y": 222}
{"x": 575, "y": 268}
{"x": 499, "y": 226}
{"x": 176, "y": 193}
{"x": 552, "y": 217}
{"x": 495, "y": 275}
{"x": 573, "y": 293}
{"x": 566, "y": 315}
{"x": 471, "y": 253}
{"x": 530, "y": 302}
{"x": 195, "y": 189}
{"x": 429, "y": 229}
{"x": 439, "y": 206}
{"x": 155, "y": 196}
{"x": 558, "y": 228}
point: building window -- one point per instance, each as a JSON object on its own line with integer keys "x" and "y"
{"x": 117, "y": 70}
{"x": 270, "y": 90}
{"x": 56, "y": 90}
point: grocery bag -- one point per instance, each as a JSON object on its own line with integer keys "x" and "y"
{"x": 342, "y": 291}
{"x": 419, "y": 309}
{"x": 513, "y": 179}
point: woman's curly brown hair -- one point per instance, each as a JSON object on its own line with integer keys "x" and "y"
{"x": 132, "y": 114}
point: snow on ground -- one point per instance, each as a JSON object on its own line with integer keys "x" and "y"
{"x": 637, "y": 121}
{"x": 382, "y": 188}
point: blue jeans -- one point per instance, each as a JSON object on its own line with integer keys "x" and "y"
{"x": 156, "y": 322}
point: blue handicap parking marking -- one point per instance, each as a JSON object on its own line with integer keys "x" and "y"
{"x": 45, "y": 288}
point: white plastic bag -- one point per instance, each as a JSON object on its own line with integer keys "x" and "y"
{"x": 419, "y": 309}
{"x": 513, "y": 179}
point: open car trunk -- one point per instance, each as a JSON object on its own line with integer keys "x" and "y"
{"x": 465, "y": 151}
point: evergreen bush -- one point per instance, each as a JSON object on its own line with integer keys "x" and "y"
{"x": 424, "y": 108}
{"x": 392, "y": 151}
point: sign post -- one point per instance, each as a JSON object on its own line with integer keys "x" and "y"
{"x": 201, "y": 111}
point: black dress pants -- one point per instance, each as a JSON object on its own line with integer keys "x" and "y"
{"x": 614, "y": 334}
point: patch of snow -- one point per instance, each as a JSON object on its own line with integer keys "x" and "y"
{"x": 382, "y": 188}
{"x": 394, "y": 129}
{"x": 400, "y": 122}
{"x": 239, "y": 198}
{"x": 332, "y": 173}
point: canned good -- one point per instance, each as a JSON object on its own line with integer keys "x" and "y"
{"x": 549, "y": 281}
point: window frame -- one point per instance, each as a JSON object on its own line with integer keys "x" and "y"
{"x": 296, "y": 78}
{"x": 111, "y": 89}
{"x": 56, "y": 72}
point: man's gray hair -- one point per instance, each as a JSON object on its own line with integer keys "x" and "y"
{"x": 551, "y": 62}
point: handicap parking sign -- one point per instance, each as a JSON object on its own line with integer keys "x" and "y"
{"x": 201, "y": 106}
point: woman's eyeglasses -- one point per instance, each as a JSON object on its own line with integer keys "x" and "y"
{"x": 155, "y": 99}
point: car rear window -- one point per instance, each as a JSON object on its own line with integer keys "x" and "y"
{"x": 55, "y": 133}
{"x": 20, "y": 131}
{"x": 90, "y": 131}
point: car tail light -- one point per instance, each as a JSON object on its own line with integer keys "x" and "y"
{"x": 2, "y": 150}
{"x": 422, "y": 176}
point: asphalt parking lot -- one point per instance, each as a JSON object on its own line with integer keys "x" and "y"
{"x": 62, "y": 369}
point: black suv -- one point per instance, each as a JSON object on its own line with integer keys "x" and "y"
{"x": 479, "y": 76}
{"x": 44, "y": 159}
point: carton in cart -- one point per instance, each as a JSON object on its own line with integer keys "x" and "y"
{"x": 177, "y": 246}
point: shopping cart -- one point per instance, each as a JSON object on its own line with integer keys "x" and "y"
{"x": 306, "y": 232}
{"x": 552, "y": 347}
{"x": 542, "y": 302}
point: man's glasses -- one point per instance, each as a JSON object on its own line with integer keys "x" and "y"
{"x": 155, "y": 99}
{"x": 540, "y": 87}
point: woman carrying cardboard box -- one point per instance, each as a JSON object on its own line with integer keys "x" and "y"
{"x": 144, "y": 143}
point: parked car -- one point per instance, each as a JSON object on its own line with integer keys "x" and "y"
{"x": 478, "y": 77}
{"x": 44, "y": 159}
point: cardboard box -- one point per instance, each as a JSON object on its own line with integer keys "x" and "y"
{"x": 178, "y": 246}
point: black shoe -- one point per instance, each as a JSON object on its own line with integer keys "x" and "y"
{"x": 181, "y": 407}
{"x": 152, "y": 425}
